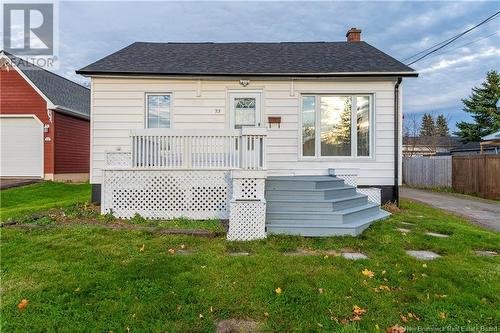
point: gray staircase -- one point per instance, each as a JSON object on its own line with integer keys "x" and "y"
{"x": 317, "y": 206}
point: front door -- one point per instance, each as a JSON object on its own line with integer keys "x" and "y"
{"x": 245, "y": 109}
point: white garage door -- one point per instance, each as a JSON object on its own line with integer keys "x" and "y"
{"x": 21, "y": 151}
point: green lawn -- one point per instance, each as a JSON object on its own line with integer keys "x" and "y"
{"x": 16, "y": 202}
{"x": 87, "y": 279}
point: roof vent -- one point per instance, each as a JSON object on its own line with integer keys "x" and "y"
{"x": 353, "y": 35}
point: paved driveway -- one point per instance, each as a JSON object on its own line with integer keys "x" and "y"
{"x": 14, "y": 182}
{"x": 486, "y": 213}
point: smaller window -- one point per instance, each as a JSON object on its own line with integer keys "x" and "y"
{"x": 158, "y": 110}
{"x": 244, "y": 109}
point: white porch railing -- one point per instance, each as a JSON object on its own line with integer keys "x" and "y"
{"x": 199, "y": 149}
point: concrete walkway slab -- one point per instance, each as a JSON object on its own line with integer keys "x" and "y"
{"x": 435, "y": 234}
{"x": 486, "y": 253}
{"x": 423, "y": 255}
{"x": 239, "y": 254}
{"x": 354, "y": 255}
{"x": 407, "y": 223}
{"x": 479, "y": 211}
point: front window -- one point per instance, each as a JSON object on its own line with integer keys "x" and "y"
{"x": 158, "y": 110}
{"x": 335, "y": 125}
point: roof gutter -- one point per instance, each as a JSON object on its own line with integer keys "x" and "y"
{"x": 249, "y": 75}
{"x": 396, "y": 140}
{"x": 69, "y": 112}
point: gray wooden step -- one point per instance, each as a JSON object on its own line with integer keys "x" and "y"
{"x": 315, "y": 230}
{"x": 312, "y": 194}
{"x": 296, "y": 204}
{"x": 344, "y": 216}
{"x": 317, "y": 206}
{"x": 302, "y": 182}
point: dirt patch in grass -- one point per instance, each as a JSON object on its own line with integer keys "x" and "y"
{"x": 89, "y": 215}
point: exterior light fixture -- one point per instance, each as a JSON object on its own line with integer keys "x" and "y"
{"x": 244, "y": 83}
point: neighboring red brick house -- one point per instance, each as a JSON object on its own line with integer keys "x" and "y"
{"x": 44, "y": 123}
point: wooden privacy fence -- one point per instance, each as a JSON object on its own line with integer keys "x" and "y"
{"x": 432, "y": 171}
{"x": 477, "y": 174}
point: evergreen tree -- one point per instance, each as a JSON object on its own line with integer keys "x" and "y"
{"x": 482, "y": 106}
{"x": 428, "y": 128}
{"x": 442, "y": 126}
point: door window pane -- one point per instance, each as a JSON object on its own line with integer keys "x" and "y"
{"x": 158, "y": 110}
{"x": 244, "y": 112}
{"x": 363, "y": 125}
{"x": 335, "y": 125}
{"x": 308, "y": 125}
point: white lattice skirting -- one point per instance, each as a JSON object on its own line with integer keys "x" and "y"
{"x": 373, "y": 193}
{"x": 166, "y": 194}
{"x": 247, "y": 220}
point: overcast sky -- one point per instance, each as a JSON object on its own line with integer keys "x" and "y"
{"x": 91, "y": 30}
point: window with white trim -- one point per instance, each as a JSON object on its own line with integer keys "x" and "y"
{"x": 336, "y": 125}
{"x": 158, "y": 110}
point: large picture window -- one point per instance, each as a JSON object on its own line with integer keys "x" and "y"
{"x": 158, "y": 110}
{"x": 336, "y": 125}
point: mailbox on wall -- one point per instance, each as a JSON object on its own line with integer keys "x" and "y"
{"x": 274, "y": 121}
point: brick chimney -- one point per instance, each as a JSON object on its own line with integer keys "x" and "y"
{"x": 353, "y": 35}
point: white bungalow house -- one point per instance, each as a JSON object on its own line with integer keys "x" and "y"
{"x": 273, "y": 136}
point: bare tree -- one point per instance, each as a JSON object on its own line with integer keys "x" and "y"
{"x": 411, "y": 134}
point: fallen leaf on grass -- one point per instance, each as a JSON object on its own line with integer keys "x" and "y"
{"x": 367, "y": 272}
{"x": 77, "y": 290}
{"x": 266, "y": 314}
{"x": 440, "y": 295}
{"x": 414, "y": 316}
{"x": 201, "y": 316}
{"x": 183, "y": 246}
{"x": 356, "y": 310}
{"x": 404, "y": 319}
{"x": 396, "y": 329}
{"x": 142, "y": 248}
{"x": 321, "y": 290}
{"x": 381, "y": 288}
{"x": 277, "y": 290}
{"x": 442, "y": 315}
{"x": 23, "y": 304}
{"x": 171, "y": 251}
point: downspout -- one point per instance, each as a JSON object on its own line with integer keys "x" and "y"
{"x": 396, "y": 141}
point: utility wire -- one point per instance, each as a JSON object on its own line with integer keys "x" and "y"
{"x": 448, "y": 41}
{"x": 467, "y": 44}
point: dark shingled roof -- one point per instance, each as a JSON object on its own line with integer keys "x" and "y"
{"x": 66, "y": 94}
{"x": 271, "y": 59}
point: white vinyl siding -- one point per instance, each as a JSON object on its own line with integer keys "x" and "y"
{"x": 118, "y": 105}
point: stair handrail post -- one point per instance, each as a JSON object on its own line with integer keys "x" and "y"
{"x": 258, "y": 135}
